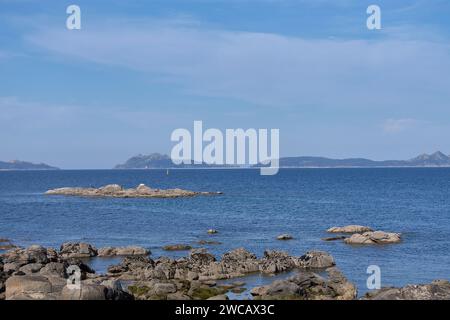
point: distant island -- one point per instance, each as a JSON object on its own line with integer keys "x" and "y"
{"x": 437, "y": 159}
{"x": 23, "y": 165}
{"x": 162, "y": 161}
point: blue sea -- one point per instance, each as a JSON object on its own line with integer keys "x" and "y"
{"x": 252, "y": 211}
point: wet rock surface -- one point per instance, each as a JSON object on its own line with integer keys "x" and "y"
{"x": 117, "y": 191}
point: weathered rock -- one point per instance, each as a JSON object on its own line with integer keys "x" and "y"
{"x": 85, "y": 292}
{"x": 316, "y": 260}
{"x": 53, "y": 269}
{"x": 276, "y": 261}
{"x": 77, "y": 250}
{"x": 31, "y": 268}
{"x": 115, "y": 291}
{"x": 110, "y": 189}
{"x": 376, "y": 237}
{"x": 284, "y": 236}
{"x": 32, "y": 254}
{"x": 10, "y": 268}
{"x": 307, "y": 286}
{"x": 143, "y": 189}
{"x": 28, "y": 286}
{"x": 350, "y": 229}
{"x": 201, "y": 265}
{"x": 122, "y": 251}
{"x": 177, "y": 247}
{"x": 201, "y": 257}
{"x": 114, "y": 190}
{"x": 133, "y": 267}
{"x": 437, "y": 290}
{"x": 164, "y": 288}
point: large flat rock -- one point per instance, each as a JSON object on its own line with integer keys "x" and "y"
{"x": 117, "y": 191}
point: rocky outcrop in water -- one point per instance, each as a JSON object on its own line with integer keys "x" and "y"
{"x": 375, "y": 237}
{"x": 117, "y": 191}
{"x": 436, "y": 290}
{"x": 285, "y": 236}
{"x": 363, "y": 235}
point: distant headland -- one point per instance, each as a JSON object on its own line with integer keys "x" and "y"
{"x": 162, "y": 161}
{"x": 23, "y": 165}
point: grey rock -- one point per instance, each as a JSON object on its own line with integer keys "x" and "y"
{"x": 122, "y": 251}
{"x": 117, "y": 191}
{"x": 375, "y": 237}
{"x": 436, "y": 290}
{"x": 77, "y": 250}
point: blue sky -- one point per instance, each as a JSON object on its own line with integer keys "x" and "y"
{"x": 137, "y": 70}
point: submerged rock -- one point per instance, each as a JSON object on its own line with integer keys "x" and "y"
{"x": 117, "y": 191}
{"x": 177, "y": 247}
{"x": 375, "y": 237}
{"x": 285, "y": 236}
{"x": 6, "y": 244}
{"x": 334, "y": 238}
{"x": 207, "y": 242}
{"x": 350, "y": 229}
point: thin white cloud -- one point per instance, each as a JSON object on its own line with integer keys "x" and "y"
{"x": 263, "y": 68}
{"x": 399, "y": 125}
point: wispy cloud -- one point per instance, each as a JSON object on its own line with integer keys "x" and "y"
{"x": 399, "y": 125}
{"x": 265, "y": 68}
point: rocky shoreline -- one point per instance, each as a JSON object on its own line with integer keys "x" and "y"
{"x": 117, "y": 191}
{"x": 39, "y": 273}
{"x": 48, "y": 274}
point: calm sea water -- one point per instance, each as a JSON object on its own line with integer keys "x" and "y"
{"x": 252, "y": 211}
